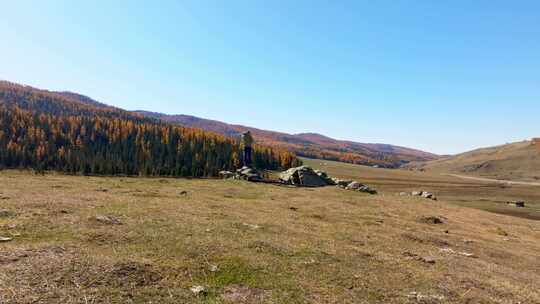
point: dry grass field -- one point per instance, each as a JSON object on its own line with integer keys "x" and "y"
{"x": 519, "y": 161}
{"x": 78, "y": 239}
{"x": 490, "y": 196}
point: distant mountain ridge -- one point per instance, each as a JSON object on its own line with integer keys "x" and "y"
{"x": 311, "y": 145}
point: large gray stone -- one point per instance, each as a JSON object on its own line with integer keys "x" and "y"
{"x": 302, "y": 176}
{"x": 325, "y": 177}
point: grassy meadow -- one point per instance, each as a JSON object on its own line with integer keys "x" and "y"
{"x": 77, "y": 239}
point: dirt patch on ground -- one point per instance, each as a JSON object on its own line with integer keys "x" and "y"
{"x": 103, "y": 238}
{"x": 433, "y": 220}
{"x": 426, "y": 239}
{"x": 7, "y": 257}
{"x": 133, "y": 274}
{"x": 59, "y": 275}
{"x": 265, "y": 247}
{"x": 244, "y": 294}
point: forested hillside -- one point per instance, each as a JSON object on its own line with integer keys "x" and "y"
{"x": 308, "y": 144}
{"x": 61, "y": 131}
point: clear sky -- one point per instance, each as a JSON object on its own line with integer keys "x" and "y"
{"x": 443, "y": 76}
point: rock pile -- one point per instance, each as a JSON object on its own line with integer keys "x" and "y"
{"x": 307, "y": 177}
{"x": 303, "y": 176}
{"x": 106, "y": 219}
{"x": 244, "y": 173}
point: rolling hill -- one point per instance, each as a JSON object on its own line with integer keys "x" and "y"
{"x": 518, "y": 161}
{"x": 310, "y": 145}
{"x": 68, "y": 132}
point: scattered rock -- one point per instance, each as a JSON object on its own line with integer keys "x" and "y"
{"x": 11, "y": 226}
{"x": 428, "y": 195}
{"x": 6, "y": 213}
{"x": 519, "y": 204}
{"x": 422, "y": 298}
{"x": 5, "y": 239}
{"x": 342, "y": 183}
{"x": 251, "y": 226}
{"x": 356, "y": 186}
{"x": 404, "y": 194}
{"x": 428, "y": 260}
{"x": 183, "y": 192}
{"x": 198, "y": 290}
{"x": 414, "y": 256}
{"x": 467, "y": 254}
{"x": 303, "y": 176}
{"x": 447, "y": 250}
{"x": 424, "y": 194}
{"x": 107, "y": 219}
{"x": 226, "y": 174}
{"x": 452, "y": 251}
{"x": 435, "y": 220}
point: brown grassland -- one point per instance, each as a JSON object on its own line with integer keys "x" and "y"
{"x": 519, "y": 161}
{"x": 260, "y": 243}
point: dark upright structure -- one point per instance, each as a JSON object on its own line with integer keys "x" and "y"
{"x": 247, "y": 142}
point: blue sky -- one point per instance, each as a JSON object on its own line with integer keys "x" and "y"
{"x": 443, "y": 76}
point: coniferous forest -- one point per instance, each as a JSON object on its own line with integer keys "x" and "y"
{"x": 71, "y": 133}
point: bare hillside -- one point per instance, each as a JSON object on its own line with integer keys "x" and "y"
{"x": 515, "y": 161}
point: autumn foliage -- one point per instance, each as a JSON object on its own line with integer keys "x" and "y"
{"x": 51, "y": 131}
